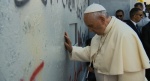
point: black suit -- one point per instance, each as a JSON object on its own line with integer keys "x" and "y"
{"x": 130, "y": 23}
{"x": 146, "y": 43}
{"x": 146, "y": 38}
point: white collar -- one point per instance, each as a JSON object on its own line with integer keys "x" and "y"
{"x": 134, "y": 22}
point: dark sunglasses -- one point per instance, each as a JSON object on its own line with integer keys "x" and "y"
{"x": 119, "y": 15}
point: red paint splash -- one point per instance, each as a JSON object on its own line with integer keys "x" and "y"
{"x": 37, "y": 70}
{"x": 76, "y": 72}
{"x": 80, "y": 69}
{"x": 21, "y": 79}
{"x": 70, "y": 78}
{"x": 75, "y": 76}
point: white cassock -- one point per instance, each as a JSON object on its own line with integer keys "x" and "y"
{"x": 121, "y": 58}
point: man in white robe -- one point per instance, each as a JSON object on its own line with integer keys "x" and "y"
{"x": 116, "y": 51}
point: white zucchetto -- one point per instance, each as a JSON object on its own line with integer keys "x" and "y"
{"x": 94, "y": 8}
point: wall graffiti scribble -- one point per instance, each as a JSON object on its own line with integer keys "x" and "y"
{"x": 36, "y": 72}
{"x": 44, "y": 2}
{"x": 79, "y": 12}
{"x": 63, "y": 3}
{"x": 66, "y": 2}
{"x": 26, "y": 30}
{"x": 76, "y": 72}
{"x": 51, "y": 2}
{"x": 69, "y": 5}
{"x": 21, "y": 79}
{"x": 20, "y": 3}
{"x": 73, "y": 3}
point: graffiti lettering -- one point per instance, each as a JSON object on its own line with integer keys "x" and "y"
{"x": 69, "y": 5}
{"x": 44, "y": 2}
{"x": 63, "y": 3}
{"x": 20, "y": 3}
{"x": 79, "y": 12}
{"x": 51, "y": 2}
{"x": 73, "y": 3}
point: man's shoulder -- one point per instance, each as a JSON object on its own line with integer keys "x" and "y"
{"x": 146, "y": 27}
{"x": 128, "y": 22}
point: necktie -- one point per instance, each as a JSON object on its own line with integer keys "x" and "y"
{"x": 138, "y": 29}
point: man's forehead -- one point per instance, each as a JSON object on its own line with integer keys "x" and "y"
{"x": 119, "y": 13}
{"x": 87, "y": 18}
{"x": 87, "y": 15}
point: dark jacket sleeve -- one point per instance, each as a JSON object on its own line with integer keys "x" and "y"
{"x": 146, "y": 38}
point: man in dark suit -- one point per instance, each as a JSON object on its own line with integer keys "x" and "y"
{"x": 146, "y": 44}
{"x": 146, "y": 38}
{"x": 145, "y": 20}
{"x": 136, "y": 15}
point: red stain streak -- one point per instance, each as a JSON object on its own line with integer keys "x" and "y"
{"x": 70, "y": 78}
{"x": 76, "y": 72}
{"x": 37, "y": 70}
{"x": 80, "y": 69}
{"x": 75, "y": 76}
{"x": 21, "y": 79}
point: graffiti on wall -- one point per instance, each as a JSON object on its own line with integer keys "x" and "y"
{"x": 76, "y": 72}
{"x": 20, "y": 3}
{"x": 70, "y": 4}
{"x": 35, "y": 72}
{"x": 63, "y": 3}
{"x": 44, "y": 2}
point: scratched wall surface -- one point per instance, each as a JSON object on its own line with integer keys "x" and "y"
{"x": 32, "y": 39}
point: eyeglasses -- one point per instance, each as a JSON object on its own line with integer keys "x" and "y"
{"x": 119, "y": 15}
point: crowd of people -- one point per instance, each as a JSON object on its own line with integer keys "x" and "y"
{"x": 120, "y": 49}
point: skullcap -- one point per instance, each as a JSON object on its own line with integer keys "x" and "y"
{"x": 94, "y": 8}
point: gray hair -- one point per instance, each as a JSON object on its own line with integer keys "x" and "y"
{"x": 103, "y": 13}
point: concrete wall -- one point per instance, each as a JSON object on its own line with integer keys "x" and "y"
{"x": 32, "y": 39}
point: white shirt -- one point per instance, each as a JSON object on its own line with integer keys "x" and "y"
{"x": 143, "y": 22}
